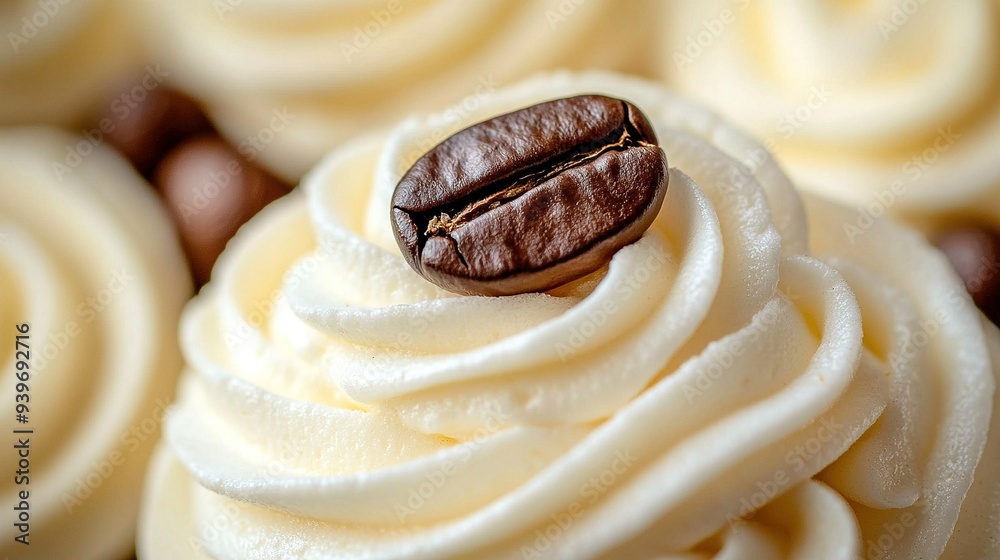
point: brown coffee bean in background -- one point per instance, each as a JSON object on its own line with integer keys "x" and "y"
{"x": 974, "y": 251}
{"x": 145, "y": 132}
{"x": 211, "y": 191}
{"x": 532, "y": 199}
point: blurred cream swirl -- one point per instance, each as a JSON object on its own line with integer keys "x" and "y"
{"x": 288, "y": 81}
{"x": 889, "y": 103}
{"x": 711, "y": 394}
{"x": 91, "y": 263}
{"x": 60, "y": 59}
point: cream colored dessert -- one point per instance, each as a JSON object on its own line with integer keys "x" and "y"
{"x": 889, "y": 105}
{"x": 60, "y": 59}
{"x": 710, "y": 394}
{"x": 89, "y": 261}
{"x": 287, "y": 81}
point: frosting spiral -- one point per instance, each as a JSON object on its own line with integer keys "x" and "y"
{"x": 710, "y": 394}
{"x": 887, "y": 102}
{"x": 288, "y": 81}
{"x": 91, "y": 263}
{"x": 59, "y": 57}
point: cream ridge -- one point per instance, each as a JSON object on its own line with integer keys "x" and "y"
{"x": 90, "y": 264}
{"x": 60, "y": 60}
{"x": 740, "y": 382}
{"x": 891, "y": 104}
{"x": 287, "y": 81}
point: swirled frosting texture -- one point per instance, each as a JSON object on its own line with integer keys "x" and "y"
{"x": 59, "y": 58}
{"x": 91, "y": 263}
{"x": 890, "y": 102}
{"x": 289, "y": 80}
{"x": 710, "y": 394}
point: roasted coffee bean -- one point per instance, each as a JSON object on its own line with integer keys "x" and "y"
{"x": 533, "y": 199}
{"x": 974, "y": 251}
{"x": 211, "y": 191}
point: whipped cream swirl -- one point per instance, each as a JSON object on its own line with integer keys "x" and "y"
{"x": 91, "y": 263}
{"x": 710, "y": 394}
{"x": 60, "y": 58}
{"x": 288, "y": 81}
{"x": 887, "y": 102}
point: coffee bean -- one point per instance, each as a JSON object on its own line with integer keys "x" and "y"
{"x": 974, "y": 251}
{"x": 211, "y": 191}
{"x": 146, "y": 131}
{"x": 532, "y": 199}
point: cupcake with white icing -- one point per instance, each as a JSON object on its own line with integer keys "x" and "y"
{"x": 739, "y": 382}
{"x": 93, "y": 279}
{"x": 888, "y": 105}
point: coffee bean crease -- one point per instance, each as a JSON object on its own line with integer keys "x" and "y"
{"x": 531, "y": 199}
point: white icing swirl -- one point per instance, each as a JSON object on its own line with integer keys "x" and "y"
{"x": 339, "y": 406}
{"x": 60, "y": 58}
{"x": 288, "y": 81}
{"x": 886, "y": 102}
{"x": 91, "y": 263}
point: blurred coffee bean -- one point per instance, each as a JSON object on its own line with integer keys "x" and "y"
{"x": 211, "y": 191}
{"x": 974, "y": 251}
{"x": 145, "y": 131}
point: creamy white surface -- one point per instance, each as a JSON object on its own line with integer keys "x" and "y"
{"x": 92, "y": 264}
{"x": 61, "y": 65}
{"x": 862, "y": 100}
{"x": 336, "y": 68}
{"x": 329, "y": 385}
